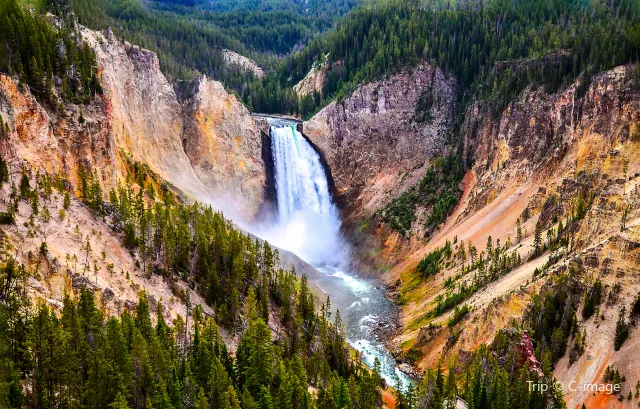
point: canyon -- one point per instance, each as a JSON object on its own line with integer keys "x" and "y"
{"x": 529, "y": 166}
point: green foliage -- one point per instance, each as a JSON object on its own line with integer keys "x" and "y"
{"x": 189, "y": 36}
{"x": 458, "y": 315}
{"x": 438, "y": 190}
{"x": 485, "y": 271}
{"x": 413, "y": 355}
{"x": 622, "y": 330}
{"x": 592, "y": 300}
{"x": 612, "y": 375}
{"x": 80, "y": 357}
{"x": 430, "y": 264}
{"x": 635, "y": 306}
{"x": 496, "y": 378}
{"x": 451, "y": 299}
{"x": 493, "y": 49}
{"x": 551, "y": 314}
{"x": 90, "y": 190}
{"x": 537, "y": 241}
{"x": 4, "y": 170}
{"x": 38, "y": 54}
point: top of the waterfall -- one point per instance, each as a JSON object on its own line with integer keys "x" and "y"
{"x": 277, "y": 121}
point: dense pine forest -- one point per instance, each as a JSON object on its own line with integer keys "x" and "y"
{"x": 38, "y": 54}
{"x": 80, "y": 357}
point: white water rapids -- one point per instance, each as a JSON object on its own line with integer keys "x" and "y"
{"x": 308, "y": 224}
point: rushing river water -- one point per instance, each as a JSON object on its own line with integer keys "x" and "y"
{"x": 363, "y": 308}
{"x": 309, "y": 225}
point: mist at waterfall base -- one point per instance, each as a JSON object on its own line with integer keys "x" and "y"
{"x": 308, "y": 224}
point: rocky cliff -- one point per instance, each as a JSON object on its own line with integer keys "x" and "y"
{"x": 57, "y": 142}
{"x": 570, "y": 161}
{"x": 225, "y": 146}
{"x": 207, "y": 148}
{"x": 244, "y": 63}
{"x": 372, "y": 142}
{"x": 379, "y": 142}
{"x": 313, "y": 81}
{"x": 194, "y": 145}
{"x": 144, "y": 112}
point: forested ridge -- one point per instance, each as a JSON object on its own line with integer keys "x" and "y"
{"x": 493, "y": 48}
{"x": 189, "y": 36}
{"x": 55, "y": 64}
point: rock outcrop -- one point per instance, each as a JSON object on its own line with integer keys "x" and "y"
{"x": 145, "y": 115}
{"x": 247, "y": 64}
{"x": 196, "y": 146}
{"x": 373, "y": 142}
{"x": 313, "y": 81}
{"x": 57, "y": 142}
{"x": 208, "y": 148}
{"x": 225, "y": 146}
{"x": 544, "y": 135}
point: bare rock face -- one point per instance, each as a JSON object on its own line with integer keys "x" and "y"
{"x": 225, "y": 146}
{"x": 209, "y": 148}
{"x": 373, "y": 144}
{"x": 57, "y": 142}
{"x": 539, "y": 133}
{"x": 313, "y": 81}
{"x": 144, "y": 111}
{"x": 243, "y": 62}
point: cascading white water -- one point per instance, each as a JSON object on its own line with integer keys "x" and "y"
{"x": 308, "y": 222}
{"x": 301, "y": 183}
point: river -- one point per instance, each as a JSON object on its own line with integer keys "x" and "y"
{"x": 308, "y": 224}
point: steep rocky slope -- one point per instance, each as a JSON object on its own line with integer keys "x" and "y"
{"x": 313, "y": 81}
{"x": 208, "y": 148}
{"x": 143, "y": 109}
{"x": 149, "y": 122}
{"x": 375, "y": 143}
{"x": 226, "y": 147}
{"x": 571, "y": 157}
{"x": 243, "y": 62}
{"x": 57, "y": 143}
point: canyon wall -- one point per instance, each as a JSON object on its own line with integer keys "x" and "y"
{"x": 225, "y": 146}
{"x": 208, "y": 147}
{"x": 373, "y": 143}
{"x": 58, "y": 143}
{"x": 378, "y": 143}
{"x": 542, "y": 159}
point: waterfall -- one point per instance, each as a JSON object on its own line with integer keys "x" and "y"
{"x": 300, "y": 180}
{"x": 308, "y": 222}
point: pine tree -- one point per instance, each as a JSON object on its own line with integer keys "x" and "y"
{"x": 4, "y": 172}
{"x": 537, "y": 240}
{"x": 622, "y": 329}
{"x": 119, "y": 403}
{"x": 518, "y": 231}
